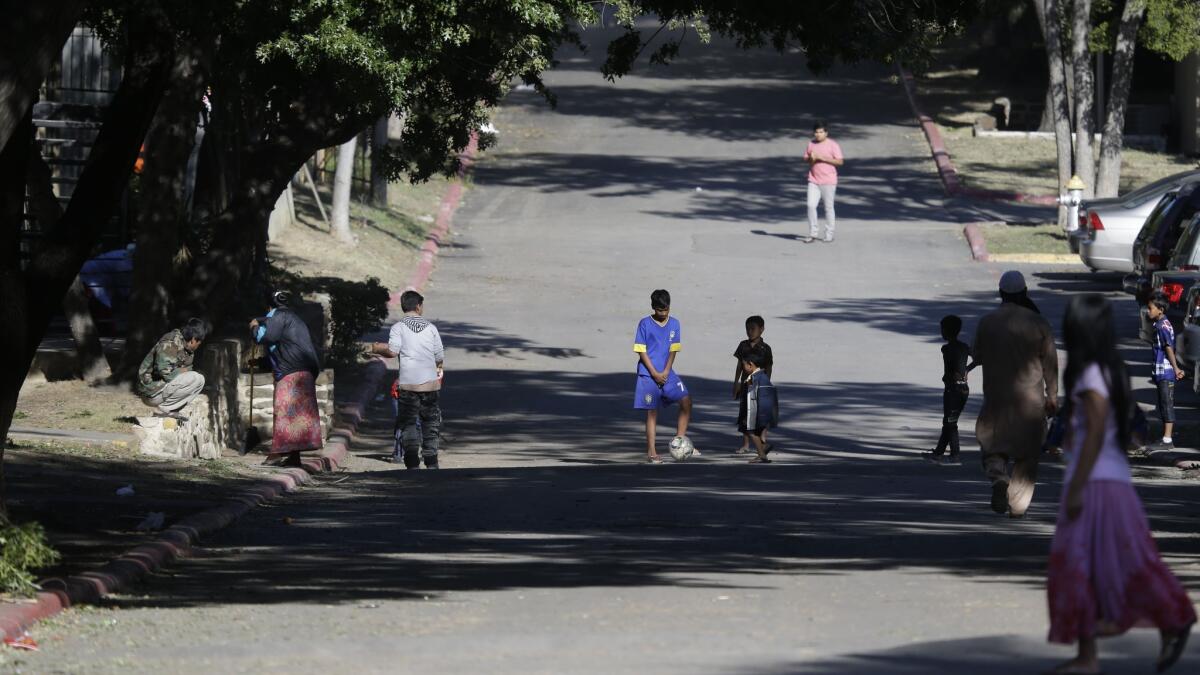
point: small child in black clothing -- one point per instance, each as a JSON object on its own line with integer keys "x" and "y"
{"x": 955, "y": 354}
{"x": 760, "y": 405}
{"x": 753, "y": 343}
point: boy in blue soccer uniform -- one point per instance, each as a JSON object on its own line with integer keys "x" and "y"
{"x": 656, "y": 343}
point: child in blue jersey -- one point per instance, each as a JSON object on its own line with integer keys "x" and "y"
{"x": 656, "y": 343}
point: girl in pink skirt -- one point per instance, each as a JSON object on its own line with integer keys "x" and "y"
{"x": 1105, "y": 574}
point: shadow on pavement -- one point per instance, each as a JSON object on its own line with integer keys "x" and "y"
{"x": 998, "y": 655}
{"x": 758, "y": 190}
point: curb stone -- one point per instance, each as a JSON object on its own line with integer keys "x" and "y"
{"x": 948, "y": 173}
{"x": 178, "y": 540}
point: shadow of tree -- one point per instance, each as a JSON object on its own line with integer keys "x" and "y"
{"x": 577, "y": 509}
{"x": 758, "y": 190}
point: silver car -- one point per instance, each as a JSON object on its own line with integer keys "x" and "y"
{"x": 1107, "y": 227}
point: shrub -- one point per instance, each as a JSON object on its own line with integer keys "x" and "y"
{"x": 358, "y": 307}
{"x": 23, "y": 549}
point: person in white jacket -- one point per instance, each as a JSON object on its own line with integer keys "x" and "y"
{"x": 418, "y": 346}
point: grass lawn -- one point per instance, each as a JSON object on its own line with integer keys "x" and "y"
{"x": 388, "y": 240}
{"x": 74, "y": 404}
{"x": 1017, "y": 239}
{"x": 956, "y": 96}
{"x": 1030, "y": 165}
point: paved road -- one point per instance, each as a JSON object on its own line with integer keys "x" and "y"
{"x": 545, "y": 546}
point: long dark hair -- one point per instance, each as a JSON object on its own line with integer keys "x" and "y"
{"x": 1090, "y": 337}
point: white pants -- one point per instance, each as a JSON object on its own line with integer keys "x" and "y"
{"x": 178, "y": 392}
{"x": 821, "y": 193}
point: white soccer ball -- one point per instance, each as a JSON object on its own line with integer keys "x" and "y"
{"x": 681, "y": 448}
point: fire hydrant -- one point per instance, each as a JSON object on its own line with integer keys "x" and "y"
{"x": 1072, "y": 200}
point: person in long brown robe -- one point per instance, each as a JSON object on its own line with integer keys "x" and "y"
{"x": 1015, "y": 347}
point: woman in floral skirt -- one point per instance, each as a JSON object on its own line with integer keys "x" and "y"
{"x": 1105, "y": 574}
{"x": 297, "y": 420}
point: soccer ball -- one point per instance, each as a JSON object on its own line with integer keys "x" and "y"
{"x": 681, "y": 448}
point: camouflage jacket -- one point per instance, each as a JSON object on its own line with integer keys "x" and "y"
{"x": 168, "y": 358}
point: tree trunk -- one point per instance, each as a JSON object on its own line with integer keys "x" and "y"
{"x": 162, "y": 218}
{"x": 1048, "y": 13}
{"x": 1108, "y": 179}
{"x": 89, "y": 352}
{"x": 379, "y": 179}
{"x": 13, "y": 159}
{"x": 1085, "y": 94}
{"x": 93, "y": 364}
{"x": 28, "y": 298}
{"x": 32, "y": 35}
{"x": 342, "y": 179}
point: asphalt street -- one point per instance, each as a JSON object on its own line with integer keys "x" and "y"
{"x": 545, "y": 544}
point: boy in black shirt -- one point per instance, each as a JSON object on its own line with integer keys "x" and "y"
{"x": 955, "y": 354}
{"x": 753, "y": 343}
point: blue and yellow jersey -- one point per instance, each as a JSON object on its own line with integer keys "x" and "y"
{"x": 656, "y": 341}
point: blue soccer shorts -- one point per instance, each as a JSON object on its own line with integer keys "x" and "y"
{"x": 650, "y": 396}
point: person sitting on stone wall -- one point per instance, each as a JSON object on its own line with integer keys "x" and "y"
{"x": 165, "y": 379}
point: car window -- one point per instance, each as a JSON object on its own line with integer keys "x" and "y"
{"x": 1147, "y": 192}
{"x": 1185, "y": 250}
{"x": 1159, "y": 215}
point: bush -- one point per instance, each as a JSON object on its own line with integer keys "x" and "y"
{"x": 358, "y": 307}
{"x": 23, "y": 549}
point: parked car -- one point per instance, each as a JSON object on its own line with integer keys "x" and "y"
{"x": 1107, "y": 227}
{"x": 1159, "y": 236}
{"x": 108, "y": 279}
{"x": 1181, "y": 275}
{"x": 1187, "y": 335}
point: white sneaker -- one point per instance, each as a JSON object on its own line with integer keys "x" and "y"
{"x": 695, "y": 451}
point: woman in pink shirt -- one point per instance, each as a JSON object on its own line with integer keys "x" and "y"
{"x": 1105, "y": 574}
{"x": 824, "y": 156}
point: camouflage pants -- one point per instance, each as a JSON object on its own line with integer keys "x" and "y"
{"x": 413, "y": 442}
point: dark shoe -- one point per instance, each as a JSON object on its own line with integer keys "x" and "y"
{"x": 952, "y": 460}
{"x": 1161, "y": 447}
{"x": 934, "y": 457}
{"x": 292, "y": 459}
{"x": 1000, "y": 496}
{"x": 1172, "y": 649}
{"x": 412, "y": 460}
{"x": 431, "y": 463}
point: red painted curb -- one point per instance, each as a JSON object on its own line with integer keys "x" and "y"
{"x": 976, "y": 241}
{"x": 441, "y": 226}
{"x": 177, "y": 541}
{"x": 945, "y": 165}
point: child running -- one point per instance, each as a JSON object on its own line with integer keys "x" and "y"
{"x": 1166, "y": 368}
{"x": 753, "y": 342}
{"x": 658, "y": 386}
{"x": 955, "y": 354}
{"x": 1105, "y": 574}
{"x": 760, "y": 407}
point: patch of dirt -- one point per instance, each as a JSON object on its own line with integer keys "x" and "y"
{"x": 74, "y": 404}
{"x": 388, "y": 240}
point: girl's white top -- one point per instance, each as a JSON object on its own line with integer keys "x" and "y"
{"x": 1111, "y": 464}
